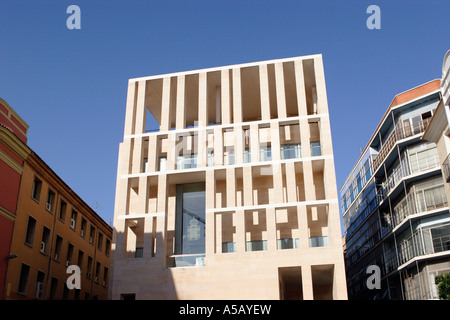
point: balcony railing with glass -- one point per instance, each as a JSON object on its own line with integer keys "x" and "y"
{"x": 316, "y": 149}
{"x": 188, "y": 260}
{"x": 419, "y": 201}
{"x": 187, "y": 161}
{"x": 400, "y": 132}
{"x": 403, "y": 170}
{"x": 265, "y": 153}
{"x": 423, "y": 242}
{"x": 288, "y": 243}
{"x": 291, "y": 151}
{"x": 318, "y": 241}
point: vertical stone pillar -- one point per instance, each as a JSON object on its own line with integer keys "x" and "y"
{"x": 281, "y": 95}
{"x": 180, "y": 121}
{"x": 165, "y": 105}
{"x": 264, "y": 84}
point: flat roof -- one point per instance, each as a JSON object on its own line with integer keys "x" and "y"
{"x": 242, "y": 65}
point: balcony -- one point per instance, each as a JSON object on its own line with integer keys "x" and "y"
{"x": 400, "y": 132}
{"x": 424, "y": 242}
{"x": 403, "y": 171}
{"x": 446, "y": 168}
{"x": 187, "y": 161}
{"x": 187, "y": 260}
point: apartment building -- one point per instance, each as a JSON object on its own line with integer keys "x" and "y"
{"x": 394, "y": 205}
{"x": 439, "y": 129}
{"x": 54, "y": 229}
{"x": 226, "y": 186}
{"x": 49, "y": 227}
{"x": 13, "y": 151}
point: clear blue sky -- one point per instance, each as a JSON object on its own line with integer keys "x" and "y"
{"x": 70, "y": 85}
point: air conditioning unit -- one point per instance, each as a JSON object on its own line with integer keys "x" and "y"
{"x": 72, "y": 223}
{"x": 56, "y": 256}
{"x": 48, "y": 206}
{"x": 39, "y": 287}
{"x": 82, "y": 233}
{"x": 104, "y": 283}
{"x": 90, "y": 239}
{"x": 96, "y": 279}
{"x": 42, "y": 249}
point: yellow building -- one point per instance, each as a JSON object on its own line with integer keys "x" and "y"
{"x": 234, "y": 197}
{"x": 53, "y": 229}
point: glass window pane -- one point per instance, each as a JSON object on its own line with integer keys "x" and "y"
{"x": 257, "y": 245}
{"x": 228, "y": 247}
{"x": 190, "y": 219}
{"x": 316, "y": 149}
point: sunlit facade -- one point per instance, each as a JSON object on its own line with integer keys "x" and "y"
{"x": 394, "y": 205}
{"x": 233, "y": 196}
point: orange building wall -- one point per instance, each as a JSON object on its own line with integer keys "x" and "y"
{"x": 47, "y": 263}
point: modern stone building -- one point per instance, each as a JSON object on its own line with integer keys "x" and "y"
{"x": 234, "y": 195}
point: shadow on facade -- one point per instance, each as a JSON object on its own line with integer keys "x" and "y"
{"x": 140, "y": 273}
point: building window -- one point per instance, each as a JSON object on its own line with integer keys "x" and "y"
{"x": 247, "y": 156}
{"x": 265, "y": 153}
{"x": 31, "y": 229}
{"x": 105, "y": 276}
{"x": 45, "y": 240}
{"x": 97, "y": 272}
{"x": 50, "y": 200}
{"x": 107, "y": 247}
{"x": 162, "y": 164}
{"x": 91, "y": 235}
{"x": 431, "y": 198}
{"x": 39, "y": 285}
{"x": 62, "y": 210}
{"x": 290, "y": 151}
{"x": 316, "y": 149}
{"x": 318, "y": 241}
{"x": 422, "y": 158}
{"x": 73, "y": 219}
{"x": 190, "y": 224}
{"x": 187, "y": 161}
{"x": 145, "y": 165}
{"x": 139, "y": 252}
{"x": 211, "y": 158}
{"x": 100, "y": 241}
{"x": 69, "y": 256}
{"x": 288, "y": 243}
{"x": 89, "y": 268}
{"x": 58, "y": 247}
{"x": 228, "y": 247}
{"x": 80, "y": 259}
{"x": 83, "y": 227}
{"x": 23, "y": 279}
{"x": 36, "y": 193}
{"x": 229, "y": 156}
{"x": 256, "y": 245}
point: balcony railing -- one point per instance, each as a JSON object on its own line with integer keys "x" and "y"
{"x": 446, "y": 168}
{"x": 400, "y": 132}
{"x": 423, "y": 242}
{"x": 402, "y": 171}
